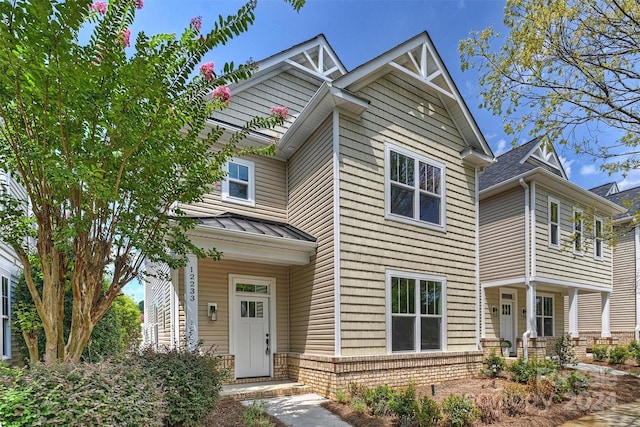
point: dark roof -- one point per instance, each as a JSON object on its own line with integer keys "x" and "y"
{"x": 603, "y": 190}
{"x": 507, "y": 166}
{"x": 628, "y": 198}
{"x": 247, "y": 224}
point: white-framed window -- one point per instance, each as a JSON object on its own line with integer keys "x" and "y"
{"x": 554, "y": 223}
{"x": 5, "y": 317}
{"x": 416, "y": 312}
{"x": 598, "y": 245}
{"x": 544, "y": 315}
{"x": 414, "y": 188}
{"x": 239, "y": 184}
{"x": 578, "y": 236}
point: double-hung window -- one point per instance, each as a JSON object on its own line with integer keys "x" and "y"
{"x": 597, "y": 239}
{"x": 415, "y": 188}
{"x": 544, "y": 316}
{"x": 578, "y": 237}
{"x": 5, "y": 332}
{"x": 239, "y": 184}
{"x": 554, "y": 223}
{"x": 416, "y": 307}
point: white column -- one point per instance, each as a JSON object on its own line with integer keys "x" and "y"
{"x": 606, "y": 315}
{"x": 573, "y": 312}
{"x": 531, "y": 309}
{"x": 191, "y": 301}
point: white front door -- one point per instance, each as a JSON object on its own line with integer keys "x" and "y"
{"x": 506, "y": 324}
{"x": 252, "y": 338}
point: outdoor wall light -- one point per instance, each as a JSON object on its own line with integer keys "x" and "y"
{"x": 524, "y": 312}
{"x": 212, "y": 311}
{"x": 494, "y": 311}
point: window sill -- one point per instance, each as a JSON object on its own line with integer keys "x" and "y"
{"x": 422, "y": 224}
{"x": 250, "y": 203}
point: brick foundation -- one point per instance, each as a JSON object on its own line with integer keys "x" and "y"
{"x": 617, "y": 337}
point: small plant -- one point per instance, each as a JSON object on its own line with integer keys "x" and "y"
{"x": 542, "y": 392}
{"x": 342, "y": 397}
{"x": 618, "y": 355}
{"x": 427, "y": 412}
{"x": 403, "y": 404}
{"x": 514, "y": 399}
{"x": 577, "y": 382}
{"x": 600, "y": 352}
{"x": 379, "y": 399}
{"x": 495, "y": 364}
{"x": 524, "y": 372}
{"x": 459, "y": 411}
{"x": 255, "y": 416}
{"x": 490, "y": 407}
{"x": 634, "y": 351}
{"x": 565, "y": 352}
{"x": 358, "y": 405}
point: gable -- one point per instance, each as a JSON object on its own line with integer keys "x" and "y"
{"x": 543, "y": 154}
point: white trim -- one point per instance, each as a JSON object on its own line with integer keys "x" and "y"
{"x": 573, "y": 312}
{"x": 251, "y": 183}
{"x": 417, "y": 158}
{"x": 573, "y": 220}
{"x": 5, "y": 316}
{"x": 606, "y": 315}
{"x": 336, "y": 235}
{"x": 191, "y": 301}
{"x": 637, "y": 276}
{"x": 514, "y": 315}
{"x": 553, "y": 312}
{"x": 569, "y": 284}
{"x": 476, "y": 218}
{"x": 175, "y": 311}
{"x": 505, "y": 282}
{"x": 551, "y": 200}
{"x": 443, "y": 324}
{"x": 533, "y": 225}
{"x": 598, "y": 241}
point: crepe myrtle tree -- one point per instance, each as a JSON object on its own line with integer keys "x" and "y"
{"x": 106, "y": 135}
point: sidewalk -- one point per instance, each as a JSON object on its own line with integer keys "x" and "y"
{"x": 303, "y": 410}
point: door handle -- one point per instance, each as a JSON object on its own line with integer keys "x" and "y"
{"x": 267, "y": 351}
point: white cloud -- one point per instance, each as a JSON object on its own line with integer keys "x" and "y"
{"x": 588, "y": 170}
{"x": 631, "y": 180}
{"x": 501, "y": 148}
{"x": 566, "y": 164}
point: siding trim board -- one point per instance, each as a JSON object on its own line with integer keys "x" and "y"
{"x": 336, "y": 233}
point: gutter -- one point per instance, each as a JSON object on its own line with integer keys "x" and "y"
{"x": 527, "y": 334}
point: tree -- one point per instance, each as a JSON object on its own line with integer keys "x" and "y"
{"x": 569, "y": 69}
{"x": 106, "y": 140}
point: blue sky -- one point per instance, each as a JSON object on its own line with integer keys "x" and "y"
{"x": 359, "y": 30}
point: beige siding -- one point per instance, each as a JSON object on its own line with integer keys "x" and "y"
{"x": 311, "y": 209}
{"x": 502, "y": 236}
{"x": 623, "y": 309}
{"x": 563, "y": 264}
{"x": 157, "y": 309}
{"x": 404, "y": 115}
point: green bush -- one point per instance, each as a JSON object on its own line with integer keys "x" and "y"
{"x": 495, "y": 364}
{"x": 525, "y": 372}
{"x": 634, "y": 351}
{"x": 565, "y": 352}
{"x": 600, "y": 353}
{"x": 577, "y": 382}
{"x": 459, "y": 411}
{"x": 379, "y": 399}
{"x": 191, "y": 379}
{"x": 618, "y": 355}
{"x": 427, "y": 412}
{"x": 255, "y": 416}
{"x": 403, "y": 404}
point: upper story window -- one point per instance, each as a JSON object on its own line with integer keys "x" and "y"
{"x": 416, "y": 307}
{"x": 597, "y": 240}
{"x": 578, "y": 237}
{"x": 239, "y": 185}
{"x": 5, "y": 331}
{"x": 415, "y": 188}
{"x": 554, "y": 223}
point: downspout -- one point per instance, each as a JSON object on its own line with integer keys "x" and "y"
{"x": 527, "y": 333}
{"x": 477, "y": 248}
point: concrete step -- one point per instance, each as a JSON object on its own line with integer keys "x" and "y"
{"x": 264, "y": 390}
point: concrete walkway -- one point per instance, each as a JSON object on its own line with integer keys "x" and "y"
{"x": 303, "y": 410}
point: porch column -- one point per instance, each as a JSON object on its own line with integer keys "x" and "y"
{"x": 606, "y": 315}
{"x": 531, "y": 309}
{"x": 573, "y": 312}
{"x": 191, "y": 301}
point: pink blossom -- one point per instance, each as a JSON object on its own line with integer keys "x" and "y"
{"x": 206, "y": 70}
{"x": 125, "y": 37}
{"x": 138, "y": 4}
{"x": 280, "y": 112}
{"x": 196, "y": 23}
{"x": 222, "y": 94}
{"x": 99, "y": 6}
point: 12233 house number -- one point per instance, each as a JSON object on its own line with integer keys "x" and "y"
{"x": 192, "y": 285}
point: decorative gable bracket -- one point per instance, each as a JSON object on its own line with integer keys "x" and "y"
{"x": 317, "y": 60}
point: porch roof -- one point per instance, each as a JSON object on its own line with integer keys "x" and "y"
{"x": 247, "y": 224}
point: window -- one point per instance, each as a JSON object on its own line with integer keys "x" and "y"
{"x": 554, "y": 223}
{"x": 417, "y": 313}
{"x": 544, "y": 316}
{"x": 238, "y": 186}
{"x": 414, "y": 188}
{"x": 578, "y": 238}
{"x": 597, "y": 243}
{"x": 5, "y": 332}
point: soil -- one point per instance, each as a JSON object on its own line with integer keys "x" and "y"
{"x": 228, "y": 413}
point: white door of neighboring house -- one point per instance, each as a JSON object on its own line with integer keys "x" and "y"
{"x": 506, "y": 324}
{"x": 252, "y": 337}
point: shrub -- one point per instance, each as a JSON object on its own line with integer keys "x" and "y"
{"x": 358, "y": 405}
{"x": 634, "y": 351}
{"x": 379, "y": 399}
{"x": 427, "y": 412}
{"x": 565, "y": 352}
{"x": 255, "y": 416}
{"x": 459, "y": 411}
{"x": 514, "y": 399}
{"x": 495, "y": 364}
{"x": 618, "y": 354}
{"x": 341, "y": 396}
{"x": 542, "y": 392}
{"x": 192, "y": 380}
{"x": 599, "y": 353}
{"x": 577, "y": 382}
{"x": 525, "y": 372}
{"x": 403, "y": 404}
{"x": 490, "y": 407}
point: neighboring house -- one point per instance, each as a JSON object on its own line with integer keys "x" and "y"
{"x": 352, "y": 254}
{"x": 625, "y": 299}
{"x": 541, "y": 239}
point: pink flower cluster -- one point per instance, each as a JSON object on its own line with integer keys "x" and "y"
{"x": 206, "y": 70}
{"x": 280, "y": 112}
{"x": 222, "y": 94}
{"x": 125, "y": 37}
{"x": 99, "y": 6}
{"x": 138, "y": 4}
{"x": 196, "y": 23}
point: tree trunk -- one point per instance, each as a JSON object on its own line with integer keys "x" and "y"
{"x": 32, "y": 345}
